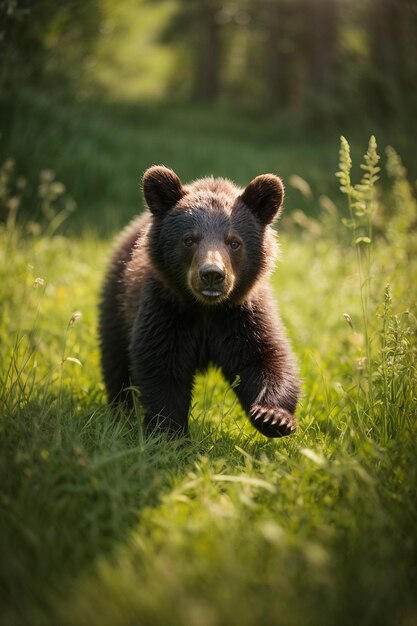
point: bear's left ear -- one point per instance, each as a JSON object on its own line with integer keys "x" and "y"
{"x": 264, "y": 196}
{"x": 162, "y": 189}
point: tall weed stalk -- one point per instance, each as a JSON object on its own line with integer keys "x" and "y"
{"x": 389, "y": 396}
{"x": 361, "y": 203}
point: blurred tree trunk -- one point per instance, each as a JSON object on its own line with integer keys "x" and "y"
{"x": 393, "y": 45}
{"x": 281, "y": 75}
{"x": 301, "y": 37}
{"x": 274, "y": 66}
{"x": 384, "y": 53}
{"x": 321, "y": 21}
{"x": 209, "y": 53}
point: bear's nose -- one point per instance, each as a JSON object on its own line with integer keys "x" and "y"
{"x": 211, "y": 275}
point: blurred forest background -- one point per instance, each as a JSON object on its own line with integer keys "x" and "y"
{"x": 171, "y": 73}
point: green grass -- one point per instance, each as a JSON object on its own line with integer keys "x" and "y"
{"x": 100, "y": 526}
{"x": 101, "y": 149}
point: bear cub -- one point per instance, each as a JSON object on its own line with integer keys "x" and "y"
{"x": 187, "y": 287}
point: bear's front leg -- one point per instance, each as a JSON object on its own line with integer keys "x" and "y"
{"x": 257, "y": 351}
{"x": 163, "y": 367}
{"x": 268, "y": 391}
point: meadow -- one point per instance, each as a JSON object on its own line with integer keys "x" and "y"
{"x": 99, "y": 149}
{"x": 100, "y": 525}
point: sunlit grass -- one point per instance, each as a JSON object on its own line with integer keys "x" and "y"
{"x": 102, "y": 526}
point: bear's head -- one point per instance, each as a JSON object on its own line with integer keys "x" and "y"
{"x": 211, "y": 239}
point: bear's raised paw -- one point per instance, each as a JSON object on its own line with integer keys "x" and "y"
{"x": 272, "y": 421}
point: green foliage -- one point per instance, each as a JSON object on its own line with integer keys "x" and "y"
{"x": 322, "y": 61}
{"x": 102, "y": 149}
{"x": 42, "y": 40}
{"x": 99, "y": 525}
{"x": 51, "y": 202}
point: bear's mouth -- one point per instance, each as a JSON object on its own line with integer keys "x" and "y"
{"x": 209, "y": 296}
{"x": 211, "y": 293}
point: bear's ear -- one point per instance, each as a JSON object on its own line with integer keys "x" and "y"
{"x": 162, "y": 189}
{"x": 264, "y": 196}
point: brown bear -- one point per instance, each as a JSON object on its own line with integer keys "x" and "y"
{"x": 187, "y": 288}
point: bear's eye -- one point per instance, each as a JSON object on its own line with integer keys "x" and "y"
{"x": 188, "y": 241}
{"x": 234, "y": 244}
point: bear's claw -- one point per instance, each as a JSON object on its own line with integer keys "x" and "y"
{"x": 272, "y": 422}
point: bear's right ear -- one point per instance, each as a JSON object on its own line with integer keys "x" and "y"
{"x": 162, "y": 189}
{"x": 264, "y": 197}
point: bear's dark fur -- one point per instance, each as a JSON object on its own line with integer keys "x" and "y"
{"x": 187, "y": 288}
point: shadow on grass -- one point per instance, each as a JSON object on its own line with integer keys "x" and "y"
{"x": 75, "y": 481}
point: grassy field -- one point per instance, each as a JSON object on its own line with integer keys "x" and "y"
{"x": 101, "y": 149}
{"x": 100, "y": 526}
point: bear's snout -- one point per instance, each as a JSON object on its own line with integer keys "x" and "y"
{"x": 212, "y": 275}
{"x": 212, "y": 283}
